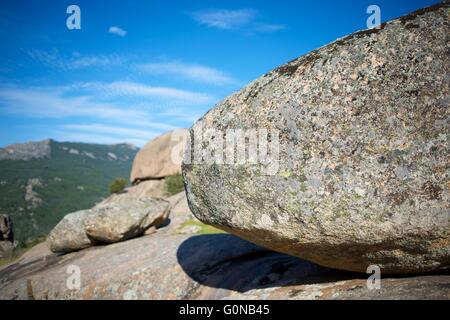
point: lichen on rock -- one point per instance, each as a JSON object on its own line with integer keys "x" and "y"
{"x": 363, "y": 165}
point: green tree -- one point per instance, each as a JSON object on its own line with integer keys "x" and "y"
{"x": 174, "y": 184}
{"x": 118, "y": 185}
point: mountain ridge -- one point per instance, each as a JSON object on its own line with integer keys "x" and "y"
{"x": 42, "y": 181}
{"x": 41, "y": 149}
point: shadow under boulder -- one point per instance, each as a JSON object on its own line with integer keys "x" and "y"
{"x": 227, "y": 262}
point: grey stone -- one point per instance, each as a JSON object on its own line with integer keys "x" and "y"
{"x": 69, "y": 235}
{"x": 363, "y": 172}
{"x": 121, "y": 219}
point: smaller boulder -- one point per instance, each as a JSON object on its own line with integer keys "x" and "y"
{"x": 121, "y": 219}
{"x": 69, "y": 234}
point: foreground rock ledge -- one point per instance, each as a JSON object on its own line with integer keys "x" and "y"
{"x": 363, "y": 168}
{"x": 173, "y": 266}
{"x": 170, "y": 264}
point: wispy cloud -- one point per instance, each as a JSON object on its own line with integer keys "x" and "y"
{"x": 267, "y": 27}
{"x": 51, "y": 103}
{"x": 99, "y": 61}
{"x": 101, "y": 133}
{"x": 223, "y": 19}
{"x": 54, "y": 59}
{"x": 180, "y": 114}
{"x": 96, "y": 99}
{"x": 110, "y": 130}
{"x": 198, "y": 73}
{"x": 50, "y": 58}
{"x": 117, "y": 31}
{"x": 136, "y": 89}
{"x": 107, "y": 118}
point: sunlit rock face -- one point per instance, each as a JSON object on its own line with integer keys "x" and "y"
{"x": 362, "y": 170}
{"x": 158, "y": 158}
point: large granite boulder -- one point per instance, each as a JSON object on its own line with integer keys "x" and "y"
{"x": 160, "y": 157}
{"x": 121, "y": 219}
{"x": 69, "y": 235}
{"x": 362, "y": 171}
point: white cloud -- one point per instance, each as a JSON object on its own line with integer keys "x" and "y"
{"x": 53, "y": 102}
{"x": 98, "y": 98}
{"x": 55, "y": 60}
{"x": 98, "y": 61}
{"x": 247, "y": 19}
{"x": 50, "y": 58}
{"x": 108, "y": 117}
{"x": 111, "y": 134}
{"x": 117, "y": 31}
{"x": 180, "y": 115}
{"x": 266, "y": 27}
{"x": 225, "y": 19}
{"x": 110, "y": 130}
{"x": 50, "y": 103}
{"x": 135, "y": 89}
{"x": 194, "y": 72}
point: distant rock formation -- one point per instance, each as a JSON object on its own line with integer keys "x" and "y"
{"x": 6, "y": 228}
{"x": 160, "y": 157}
{"x": 31, "y": 196}
{"x": 6, "y": 236}
{"x": 363, "y": 152}
{"x": 26, "y": 151}
{"x": 35, "y": 177}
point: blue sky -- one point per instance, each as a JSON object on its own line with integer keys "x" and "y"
{"x": 137, "y": 69}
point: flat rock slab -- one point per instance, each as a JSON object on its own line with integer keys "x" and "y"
{"x": 221, "y": 266}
